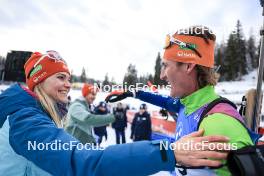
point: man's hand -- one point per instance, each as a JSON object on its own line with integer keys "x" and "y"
{"x": 195, "y": 150}
{"x": 118, "y": 95}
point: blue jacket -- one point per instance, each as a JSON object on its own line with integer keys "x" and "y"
{"x": 30, "y": 124}
{"x": 9, "y": 159}
{"x": 163, "y": 101}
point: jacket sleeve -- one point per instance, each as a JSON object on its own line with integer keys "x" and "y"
{"x": 29, "y": 126}
{"x": 163, "y": 101}
{"x": 78, "y": 113}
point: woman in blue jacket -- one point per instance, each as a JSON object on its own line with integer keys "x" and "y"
{"x": 33, "y": 141}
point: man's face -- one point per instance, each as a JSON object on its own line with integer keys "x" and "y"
{"x": 176, "y": 75}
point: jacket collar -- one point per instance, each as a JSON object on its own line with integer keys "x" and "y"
{"x": 198, "y": 99}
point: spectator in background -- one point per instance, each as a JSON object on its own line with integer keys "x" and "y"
{"x": 120, "y": 123}
{"x": 100, "y": 131}
{"x": 141, "y": 125}
{"x": 81, "y": 121}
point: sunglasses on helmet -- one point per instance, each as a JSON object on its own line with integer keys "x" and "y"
{"x": 171, "y": 40}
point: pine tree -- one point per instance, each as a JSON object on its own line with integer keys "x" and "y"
{"x": 230, "y": 58}
{"x": 150, "y": 78}
{"x": 113, "y": 82}
{"x": 241, "y": 51}
{"x": 157, "y": 80}
{"x": 106, "y": 80}
{"x": 218, "y": 56}
{"x": 145, "y": 78}
{"x": 252, "y": 51}
{"x": 83, "y": 77}
{"x": 235, "y": 60}
{"x": 2, "y": 67}
{"x": 106, "y": 83}
{"x": 130, "y": 77}
{"x": 74, "y": 78}
{"x": 220, "y": 60}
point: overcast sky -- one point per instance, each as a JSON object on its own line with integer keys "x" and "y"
{"x": 104, "y": 36}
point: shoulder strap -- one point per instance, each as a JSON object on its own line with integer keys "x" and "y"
{"x": 212, "y": 104}
{"x": 229, "y": 108}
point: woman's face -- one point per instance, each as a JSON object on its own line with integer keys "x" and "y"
{"x": 91, "y": 97}
{"x": 57, "y": 86}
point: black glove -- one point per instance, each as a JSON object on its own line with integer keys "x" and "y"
{"x": 118, "y": 95}
{"x": 163, "y": 112}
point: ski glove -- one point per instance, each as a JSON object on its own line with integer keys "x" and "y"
{"x": 118, "y": 95}
{"x": 163, "y": 112}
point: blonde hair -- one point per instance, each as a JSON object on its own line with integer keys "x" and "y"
{"x": 48, "y": 104}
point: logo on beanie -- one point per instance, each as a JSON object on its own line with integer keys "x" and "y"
{"x": 191, "y": 44}
{"x": 38, "y": 78}
{"x": 35, "y": 70}
{"x": 185, "y": 54}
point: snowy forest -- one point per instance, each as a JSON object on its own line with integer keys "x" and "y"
{"x": 235, "y": 57}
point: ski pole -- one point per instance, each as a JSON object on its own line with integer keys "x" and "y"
{"x": 257, "y": 110}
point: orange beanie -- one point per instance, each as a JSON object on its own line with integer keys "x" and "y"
{"x": 40, "y": 66}
{"x": 88, "y": 88}
{"x": 185, "y": 55}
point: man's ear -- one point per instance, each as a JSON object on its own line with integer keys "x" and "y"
{"x": 190, "y": 67}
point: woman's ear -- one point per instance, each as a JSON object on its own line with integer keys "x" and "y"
{"x": 190, "y": 67}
